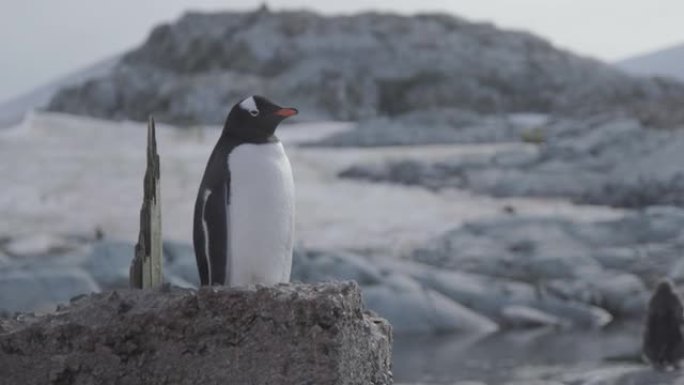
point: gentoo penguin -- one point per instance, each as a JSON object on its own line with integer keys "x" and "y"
{"x": 243, "y": 230}
{"x": 663, "y": 343}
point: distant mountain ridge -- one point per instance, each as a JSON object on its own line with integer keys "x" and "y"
{"x": 354, "y": 67}
{"x": 665, "y": 62}
{"x": 13, "y": 111}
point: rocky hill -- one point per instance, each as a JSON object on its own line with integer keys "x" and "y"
{"x": 353, "y": 67}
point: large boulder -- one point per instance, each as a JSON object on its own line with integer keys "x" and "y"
{"x": 288, "y": 334}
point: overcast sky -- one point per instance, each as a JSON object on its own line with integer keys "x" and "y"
{"x": 41, "y": 40}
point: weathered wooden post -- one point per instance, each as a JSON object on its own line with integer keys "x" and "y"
{"x": 146, "y": 268}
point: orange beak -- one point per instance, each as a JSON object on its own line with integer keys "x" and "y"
{"x": 286, "y": 112}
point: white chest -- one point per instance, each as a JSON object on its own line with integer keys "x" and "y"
{"x": 260, "y": 215}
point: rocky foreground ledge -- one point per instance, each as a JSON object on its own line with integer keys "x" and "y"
{"x": 288, "y": 334}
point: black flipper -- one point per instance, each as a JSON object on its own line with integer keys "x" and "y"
{"x": 210, "y": 222}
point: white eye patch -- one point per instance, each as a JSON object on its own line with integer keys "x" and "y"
{"x": 250, "y": 106}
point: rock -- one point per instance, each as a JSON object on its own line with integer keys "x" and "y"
{"x": 307, "y": 334}
{"x": 38, "y": 245}
{"x": 528, "y": 249}
{"x": 407, "y": 172}
{"x": 436, "y": 126}
{"x": 108, "y": 263}
{"x": 608, "y": 264}
{"x": 491, "y": 296}
{"x": 411, "y": 308}
{"x": 180, "y": 262}
{"x": 617, "y": 258}
{"x": 179, "y": 282}
{"x": 469, "y": 383}
{"x": 483, "y": 294}
{"x": 579, "y": 314}
{"x": 408, "y": 306}
{"x": 433, "y": 126}
{"x": 677, "y": 272}
{"x": 365, "y": 65}
{"x": 622, "y": 294}
{"x": 4, "y": 260}
{"x": 524, "y": 317}
{"x": 317, "y": 266}
{"x": 178, "y": 252}
{"x": 621, "y": 375}
{"x": 42, "y": 288}
{"x": 539, "y": 382}
{"x": 582, "y": 159}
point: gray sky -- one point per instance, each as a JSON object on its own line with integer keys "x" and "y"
{"x": 41, "y": 40}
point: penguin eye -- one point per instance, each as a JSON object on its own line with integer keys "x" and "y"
{"x": 254, "y": 113}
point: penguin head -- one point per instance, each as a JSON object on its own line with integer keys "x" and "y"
{"x": 255, "y": 119}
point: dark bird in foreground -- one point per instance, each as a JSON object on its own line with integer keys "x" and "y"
{"x": 243, "y": 230}
{"x": 663, "y": 345}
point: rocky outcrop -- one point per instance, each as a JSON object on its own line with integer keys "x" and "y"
{"x": 353, "y": 67}
{"x": 288, "y": 334}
